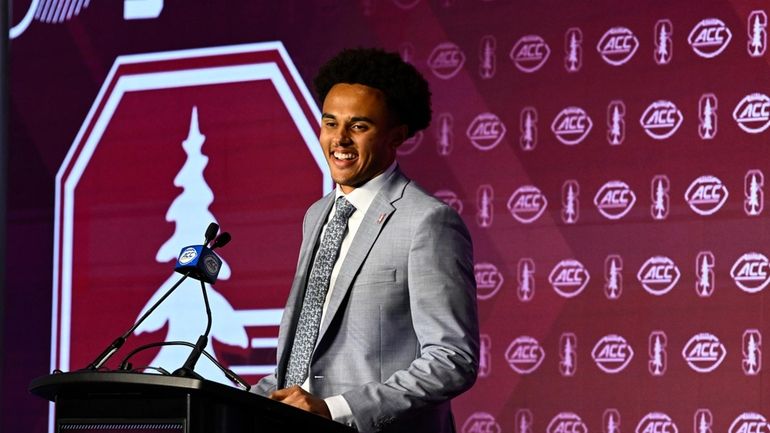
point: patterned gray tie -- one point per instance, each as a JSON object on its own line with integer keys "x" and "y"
{"x": 315, "y": 294}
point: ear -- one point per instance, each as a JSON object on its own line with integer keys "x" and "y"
{"x": 399, "y": 134}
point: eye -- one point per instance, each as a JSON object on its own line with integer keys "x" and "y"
{"x": 359, "y": 127}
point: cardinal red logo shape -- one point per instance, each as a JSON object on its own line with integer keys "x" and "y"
{"x": 198, "y": 117}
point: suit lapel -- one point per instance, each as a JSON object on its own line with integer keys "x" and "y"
{"x": 376, "y": 217}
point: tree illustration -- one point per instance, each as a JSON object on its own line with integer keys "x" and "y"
{"x": 567, "y": 362}
{"x": 662, "y": 44}
{"x": 756, "y": 37}
{"x": 615, "y": 130}
{"x": 612, "y": 280}
{"x": 569, "y": 206}
{"x": 445, "y": 138}
{"x": 753, "y": 199}
{"x": 484, "y": 208}
{"x": 750, "y": 363}
{"x": 572, "y": 57}
{"x": 707, "y": 127}
{"x": 524, "y": 286}
{"x": 703, "y": 426}
{"x": 528, "y": 136}
{"x": 660, "y": 200}
{"x": 612, "y": 425}
{"x": 704, "y": 282}
{"x": 523, "y": 424}
{"x": 184, "y": 312}
{"x": 657, "y": 357}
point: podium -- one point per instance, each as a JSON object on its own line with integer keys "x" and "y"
{"x": 112, "y": 402}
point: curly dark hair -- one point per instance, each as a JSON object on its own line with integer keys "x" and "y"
{"x": 406, "y": 91}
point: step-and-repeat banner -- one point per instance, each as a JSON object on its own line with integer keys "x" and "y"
{"x": 609, "y": 159}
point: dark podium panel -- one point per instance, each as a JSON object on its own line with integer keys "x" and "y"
{"x": 112, "y": 402}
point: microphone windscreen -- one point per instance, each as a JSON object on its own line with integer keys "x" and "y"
{"x": 222, "y": 240}
{"x": 211, "y": 232}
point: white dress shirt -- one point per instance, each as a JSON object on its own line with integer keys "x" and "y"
{"x": 361, "y": 198}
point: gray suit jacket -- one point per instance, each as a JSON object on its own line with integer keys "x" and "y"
{"x": 400, "y": 336}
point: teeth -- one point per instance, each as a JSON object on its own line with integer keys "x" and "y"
{"x": 340, "y": 155}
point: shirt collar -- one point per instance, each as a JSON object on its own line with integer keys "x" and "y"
{"x": 363, "y": 196}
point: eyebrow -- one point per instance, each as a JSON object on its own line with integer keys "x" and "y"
{"x": 352, "y": 119}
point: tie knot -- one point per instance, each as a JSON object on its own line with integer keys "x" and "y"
{"x": 344, "y": 208}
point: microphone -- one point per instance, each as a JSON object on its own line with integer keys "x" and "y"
{"x": 199, "y": 261}
{"x": 205, "y": 273}
{"x": 196, "y": 268}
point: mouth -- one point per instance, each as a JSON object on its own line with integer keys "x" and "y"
{"x": 344, "y": 156}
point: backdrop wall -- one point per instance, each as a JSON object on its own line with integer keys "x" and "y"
{"x": 609, "y": 159}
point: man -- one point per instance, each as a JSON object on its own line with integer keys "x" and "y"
{"x": 380, "y": 329}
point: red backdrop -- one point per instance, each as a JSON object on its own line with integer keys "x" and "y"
{"x": 608, "y": 157}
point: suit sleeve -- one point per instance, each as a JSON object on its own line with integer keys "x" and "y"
{"x": 442, "y": 300}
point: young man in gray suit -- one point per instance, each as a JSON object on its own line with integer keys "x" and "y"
{"x": 380, "y": 330}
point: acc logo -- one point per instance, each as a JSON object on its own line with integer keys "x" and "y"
{"x": 451, "y": 199}
{"x": 656, "y": 422}
{"x": 569, "y": 278}
{"x": 614, "y": 199}
{"x": 709, "y": 37}
{"x": 571, "y": 125}
{"x": 706, "y": 195}
{"x": 753, "y": 113}
{"x": 566, "y": 422}
{"x": 446, "y": 60}
{"x": 530, "y": 53}
{"x": 524, "y": 355}
{"x": 612, "y": 353}
{"x": 661, "y": 119}
{"x": 188, "y": 255}
{"x": 618, "y": 45}
{"x": 481, "y": 422}
{"x": 750, "y": 272}
{"x": 704, "y": 352}
{"x": 486, "y": 131}
{"x": 658, "y": 275}
{"x": 749, "y": 422}
{"x": 488, "y": 280}
{"x": 527, "y": 204}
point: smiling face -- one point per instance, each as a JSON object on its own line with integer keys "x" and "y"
{"x": 358, "y": 134}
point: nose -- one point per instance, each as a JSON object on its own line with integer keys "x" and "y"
{"x": 342, "y": 138}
